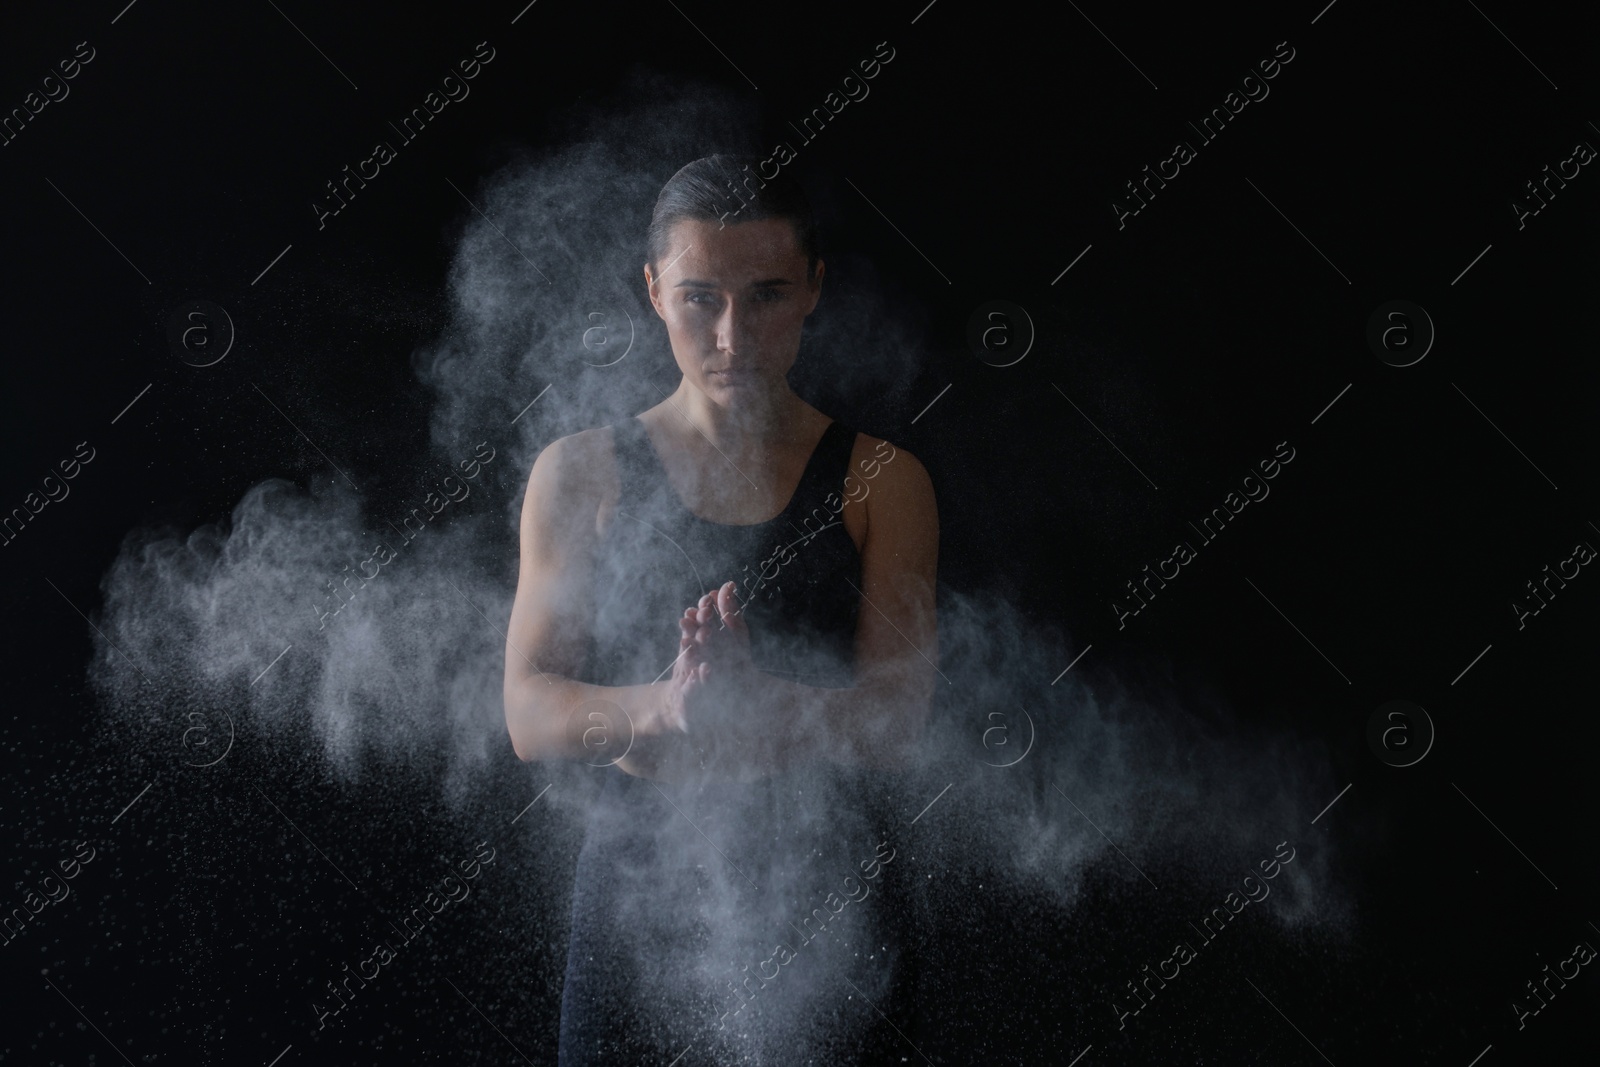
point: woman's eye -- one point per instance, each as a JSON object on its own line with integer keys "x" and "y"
{"x": 762, "y": 296}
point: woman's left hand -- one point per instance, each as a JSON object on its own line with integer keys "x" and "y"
{"x": 722, "y": 690}
{"x": 719, "y": 643}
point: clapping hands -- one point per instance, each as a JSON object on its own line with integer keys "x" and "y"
{"x": 714, "y": 671}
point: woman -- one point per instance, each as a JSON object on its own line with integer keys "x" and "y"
{"x": 745, "y": 730}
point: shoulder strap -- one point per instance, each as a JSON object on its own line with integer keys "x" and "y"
{"x": 829, "y": 463}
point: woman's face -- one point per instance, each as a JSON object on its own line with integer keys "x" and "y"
{"x": 733, "y": 299}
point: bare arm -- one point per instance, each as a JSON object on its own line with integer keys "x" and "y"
{"x": 548, "y": 713}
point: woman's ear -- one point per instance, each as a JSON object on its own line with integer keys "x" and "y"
{"x": 816, "y": 285}
{"x": 655, "y": 297}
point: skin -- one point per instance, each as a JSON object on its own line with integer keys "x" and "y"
{"x": 734, "y": 440}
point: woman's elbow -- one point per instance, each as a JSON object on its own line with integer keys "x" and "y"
{"x": 519, "y": 746}
{"x": 518, "y": 712}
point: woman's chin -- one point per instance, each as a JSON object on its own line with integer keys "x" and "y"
{"x": 746, "y": 391}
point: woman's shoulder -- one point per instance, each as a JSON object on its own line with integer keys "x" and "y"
{"x": 879, "y": 461}
{"x": 585, "y": 448}
{"x": 893, "y": 487}
{"x": 581, "y": 462}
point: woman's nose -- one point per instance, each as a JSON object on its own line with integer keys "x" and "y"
{"x": 733, "y": 328}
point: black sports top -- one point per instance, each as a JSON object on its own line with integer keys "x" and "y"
{"x": 685, "y": 894}
{"x": 794, "y": 572}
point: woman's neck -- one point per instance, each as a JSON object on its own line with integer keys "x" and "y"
{"x": 760, "y": 424}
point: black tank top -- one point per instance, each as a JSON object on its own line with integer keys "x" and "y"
{"x": 684, "y": 893}
{"x": 794, "y": 572}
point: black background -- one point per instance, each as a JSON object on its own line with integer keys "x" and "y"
{"x": 1196, "y": 337}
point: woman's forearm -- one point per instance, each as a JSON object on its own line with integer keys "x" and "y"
{"x": 780, "y": 724}
{"x": 868, "y": 725}
{"x": 553, "y": 717}
{"x": 783, "y": 724}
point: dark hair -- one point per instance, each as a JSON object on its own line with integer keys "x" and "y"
{"x": 726, "y": 188}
